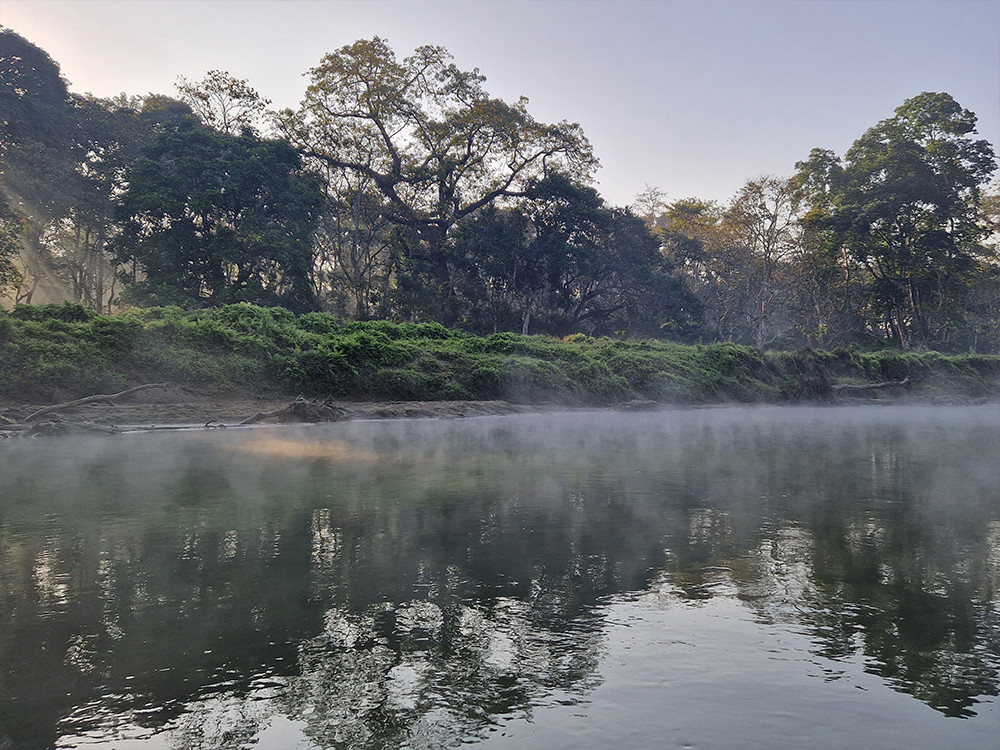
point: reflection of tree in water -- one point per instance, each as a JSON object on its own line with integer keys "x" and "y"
{"x": 449, "y": 619}
{"x": 401, "y": 674}
{"x": 904, "y": 595}
{"x": 462, "y": 584}
{"x": 903, "y": 573}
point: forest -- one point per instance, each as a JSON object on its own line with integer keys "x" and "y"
{"x": 400, "y": 190}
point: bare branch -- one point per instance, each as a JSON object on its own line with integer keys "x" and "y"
{"x": 91, "y": 400}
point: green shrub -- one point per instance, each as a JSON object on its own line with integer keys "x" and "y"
{"x": 318, "y": 370}
{"x": 67, "y": 312}
{"x": 69, "y": 349}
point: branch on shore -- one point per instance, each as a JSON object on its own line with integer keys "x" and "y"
{"x": 904, "y": 383}
{"x": 818, "y": 388}
{"x": 91, "y": 400}
{"x": 299, "y": 410}
{"x": 30, "y": 426}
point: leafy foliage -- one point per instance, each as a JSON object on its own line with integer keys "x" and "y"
{"x": 904, "y": 206}
{"x": 213, "y": 219}
{"x": 562, "y": 262}
{"x": 68, "y": 349}
{"x": 429, "y": 141}
{"x": 10, "y": 228}
{"x": 402, "y": 190}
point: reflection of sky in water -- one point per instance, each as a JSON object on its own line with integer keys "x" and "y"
{"x": 781, "y": 577}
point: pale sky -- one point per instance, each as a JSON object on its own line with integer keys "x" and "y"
{"x": 693, "y": 96}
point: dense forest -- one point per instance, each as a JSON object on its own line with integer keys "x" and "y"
{"x": 400, "y": 190}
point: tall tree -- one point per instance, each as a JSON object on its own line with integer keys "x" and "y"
{"x": 503, "y": 275}
{"x": 62, "y": 159}
{"x": 107, "y": 135}
{"x": 212, "y": 218}
{"x": 650, "y": 204}
{"x": 10, "y": 226}
{"x": 223, "y": 102}
{"x": 33, "y": 96}
{"x": 562, "y": 262}
{"x": 904, "y": 206}
{"x": 37, "y": 160}
{"x": 355, "y": 249}
{"x": 763, "y": 218}
{"x": 429, "y": 139}
{"x": 695, "y": 236}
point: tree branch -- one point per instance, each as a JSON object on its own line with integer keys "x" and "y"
{"x": 90, "y": 400}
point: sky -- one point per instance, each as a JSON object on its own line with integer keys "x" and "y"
{"x": 694, "y": 97}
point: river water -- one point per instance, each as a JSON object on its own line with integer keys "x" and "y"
{"x": 773, "y": 578}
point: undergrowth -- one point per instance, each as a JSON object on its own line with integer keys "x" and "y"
{"x": 66, "y": 350}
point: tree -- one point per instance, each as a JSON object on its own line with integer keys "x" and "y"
{"x": 764, "y": 224}
{"x": 63, "y": 158}
{"x": 10, "y": 226}
{"x": 354, "y": 248}
{"x": 107, "y": 136}
{"x": 503, "y": 277}
{"x": 649, "y": 205}
{"x": 903, "y": 205}
{"x": 696, "y": 238}
{"x": 212, "y": 218}
{"x": 223, "y": 102}
{"x": 430, "y": 140}
{"x": 563, "y": 262}
{"x": 33, "y": 96}
{"x": 37, "y": 159}
{"x": 982, "y": 302}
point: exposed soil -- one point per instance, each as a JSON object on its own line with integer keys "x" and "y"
{"x": 176, "y": 406}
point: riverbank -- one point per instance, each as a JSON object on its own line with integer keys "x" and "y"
{"x": 180, "y": 407}
{"x": 173, "y": 407}
{"x": 225, "y": 365}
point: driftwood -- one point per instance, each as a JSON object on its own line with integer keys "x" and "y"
{"x": 30, "y": 425}
{"x": 818, "y": 388}
{"x": 840, "y": 388}
{"x": 299, "y": 410}
{"x": 90, "y": 400}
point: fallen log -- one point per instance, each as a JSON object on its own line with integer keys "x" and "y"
{"x": 817, "y": 387}
{"x": 299, "y": 410}
{"x": 90, "y": 400}
{"x": 840, "y": 388}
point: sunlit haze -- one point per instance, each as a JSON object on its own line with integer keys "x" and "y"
{"x": 693, "y": 97}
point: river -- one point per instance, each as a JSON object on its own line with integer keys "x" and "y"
{"x": 776, "y": 578}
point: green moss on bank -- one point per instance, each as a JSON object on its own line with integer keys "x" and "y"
{"x": 67, "y": 351}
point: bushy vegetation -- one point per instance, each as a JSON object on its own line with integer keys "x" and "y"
{"x": 491, "y": 223}
{"x": 68, "y": 350}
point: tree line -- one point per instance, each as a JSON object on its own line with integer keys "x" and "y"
{"x": 400, "y": 189}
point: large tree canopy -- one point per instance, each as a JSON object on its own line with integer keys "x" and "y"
{"x": 427, "y": 138}
{"x": 562, "y": 261}
{"x": 904, "y": 204}
{"x": 39, "y": 180}
{"x": 427, "y": 134}
{"x": 33, "y": 95}
{"x": 212, "y": 218}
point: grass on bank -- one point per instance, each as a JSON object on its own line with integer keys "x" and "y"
{"x": 66, "y": 351}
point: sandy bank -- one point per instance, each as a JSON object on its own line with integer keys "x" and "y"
{"x": 175, "y": 406}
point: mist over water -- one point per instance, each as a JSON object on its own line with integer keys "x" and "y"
{"x": 772, "y": 577}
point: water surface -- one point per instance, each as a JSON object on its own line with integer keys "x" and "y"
{"x": 754, "y": 578}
